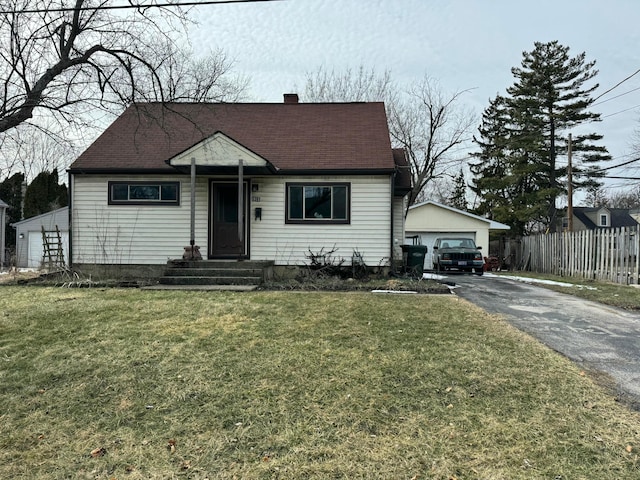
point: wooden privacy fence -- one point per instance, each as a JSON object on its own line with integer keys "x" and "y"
{"x": 609, "y": 254}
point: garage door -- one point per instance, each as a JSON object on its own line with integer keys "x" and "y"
{"x": 429, "y": 238}
{"x": 36, "y": 249}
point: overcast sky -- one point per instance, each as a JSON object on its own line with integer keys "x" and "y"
{"x": 464, "y": 44}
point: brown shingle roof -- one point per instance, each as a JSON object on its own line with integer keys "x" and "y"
{"x": 294, "y": 137}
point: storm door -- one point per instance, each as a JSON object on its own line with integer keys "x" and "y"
{"x": 226, "y": 238}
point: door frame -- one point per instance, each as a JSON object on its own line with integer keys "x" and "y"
{"x": 245, "y": 216}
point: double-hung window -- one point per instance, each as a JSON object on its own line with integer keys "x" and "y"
{"x": 144, "y": 193}
{"x": 604, "y": 220}
{"x": 318, "y": 203}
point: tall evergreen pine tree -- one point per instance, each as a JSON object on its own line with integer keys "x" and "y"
{"x": 458, "y": 198}
{"x": 11, "y": 193}
{"x": 518, "y": 178}
{"x": 44, "y": 194}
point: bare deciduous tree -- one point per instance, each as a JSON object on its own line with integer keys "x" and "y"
{"x": 629, "y": 198}
{"x": 71, "y": 58}
{"x": 206, "y": 79}
{"x": 32, "y": 149}
{"x": 430, "y": 125}
{"x": 65, "y": 64}
{"x": 596, "y": 197}
{"x": 350, "y": 86}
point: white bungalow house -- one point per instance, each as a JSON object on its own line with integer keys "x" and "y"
{"x": 269, "y": 182}
{"x": 429, "y": 220}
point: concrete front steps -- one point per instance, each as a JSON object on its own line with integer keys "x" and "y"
{"x": 215, "y": 274}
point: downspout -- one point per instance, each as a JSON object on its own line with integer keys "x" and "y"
{"x": 392, "y": 239}
{"x": 192, "y": 239}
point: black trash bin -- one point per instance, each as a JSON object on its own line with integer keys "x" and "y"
{"x": 413, "y": 258}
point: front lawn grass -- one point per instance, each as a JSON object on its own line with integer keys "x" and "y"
{"x": 131, "y": 384}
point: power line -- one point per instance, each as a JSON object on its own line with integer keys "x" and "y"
{"x": 132, "y": 6}
{"x": 616, "y": 166}
{"x": 624, "y": 178}
{"x": 617, "y": 96}
{"x": 617, "y": 85}
{"x": 619, "y": 112}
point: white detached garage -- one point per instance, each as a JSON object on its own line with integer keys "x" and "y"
{"x": 429, "y": 220}
{"x": 29, "y": 240}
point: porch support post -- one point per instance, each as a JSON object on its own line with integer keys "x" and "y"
{"x": 241, "y": 205}
{"x": 192, "y": 252}
{"x": 193, "y": 202}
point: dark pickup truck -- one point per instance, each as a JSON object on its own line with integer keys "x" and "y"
{"x": 457, "y": 254}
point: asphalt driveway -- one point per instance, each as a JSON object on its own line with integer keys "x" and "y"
{"x": 595, "y": 336}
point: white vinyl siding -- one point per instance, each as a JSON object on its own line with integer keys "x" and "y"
{"x": 288, "y": 244}
{"x": 398, "y": 226}
{"x": 144, "y": 234}
{"x": 152, "y": 234}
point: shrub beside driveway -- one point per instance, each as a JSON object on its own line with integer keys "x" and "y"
{"x": 112, "y": 383}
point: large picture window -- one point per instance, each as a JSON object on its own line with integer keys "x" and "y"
{"x": 144, "y": 193}
{"x": 318, "y": 203}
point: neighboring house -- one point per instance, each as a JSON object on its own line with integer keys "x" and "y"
{"x": 592, "y": 218}
{"x": 429, "y": 220}
{"x": 311, "y": 177}
{"x": 29, "y": 240}
{"x": 3, "y": 229}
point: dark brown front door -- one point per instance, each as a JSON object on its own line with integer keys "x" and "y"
{"x": 225, "y": 241}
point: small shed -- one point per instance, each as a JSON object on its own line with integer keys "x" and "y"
{"x": 3, "y": 227}
{"x": 29, "y": 238}
{"x": 429, "y": 220}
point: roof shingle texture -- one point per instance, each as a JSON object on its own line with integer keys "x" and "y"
{"x": 324, "y": 136}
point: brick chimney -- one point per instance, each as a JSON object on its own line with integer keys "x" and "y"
{"x": 290, "y": 98}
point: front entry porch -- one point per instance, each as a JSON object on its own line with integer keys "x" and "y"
{"x": 228, "y": 164}
{"x": 201, "y": 273}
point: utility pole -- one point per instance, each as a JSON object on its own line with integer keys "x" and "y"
{"x": 569, "y": 186}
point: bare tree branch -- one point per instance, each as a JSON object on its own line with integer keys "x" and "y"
{"x": 428, "y": 125}
{"x": 56, "y": 59}
{"x": 73, "y": 60}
